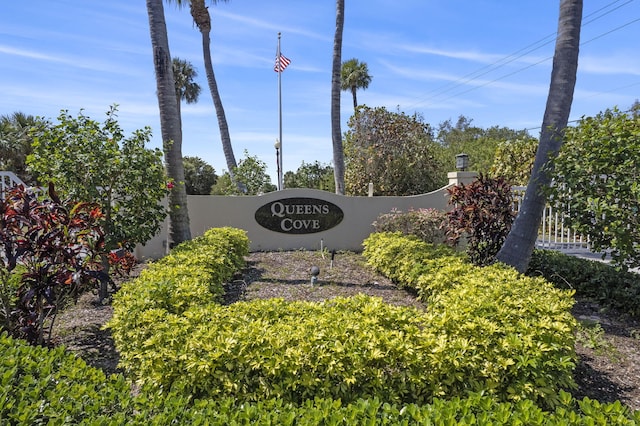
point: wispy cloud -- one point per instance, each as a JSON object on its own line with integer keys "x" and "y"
{"x": 620, "y": 63}
{"x": 73, "y": 61}
{"x": 270, "y": 25}
{"x": 24, "y": 53}
{"x": 460, "y": 81}
{"x": 485, "y": 58}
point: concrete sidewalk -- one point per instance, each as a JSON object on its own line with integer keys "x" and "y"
{"x": 585, "y": 253}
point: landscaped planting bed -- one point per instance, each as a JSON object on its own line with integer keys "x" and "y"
{"x": 491, "y": 346}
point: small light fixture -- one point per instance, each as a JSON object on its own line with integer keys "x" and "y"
{"x": 462, "y": 162}
{"x": 315, "y": 271}
{"x": 277, "y": 146}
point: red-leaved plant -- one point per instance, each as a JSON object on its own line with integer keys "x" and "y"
{"x": 56, "y": 247}
{"x": 482, "y": 213}
{"x": 121, "y": 262}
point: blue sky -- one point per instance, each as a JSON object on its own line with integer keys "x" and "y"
{"x": 489, "y": 60}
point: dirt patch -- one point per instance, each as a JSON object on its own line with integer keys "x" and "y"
{"x": 608, "y": 344}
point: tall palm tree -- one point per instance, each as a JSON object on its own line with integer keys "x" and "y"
{"x": 186, "y": 89}
{"x": 354, "y": 76}
{"x": 336, "y": 132}
{"x": 202, "y": 19}
{"x": 520, "y": 242}
{"x": 169, "y": 124}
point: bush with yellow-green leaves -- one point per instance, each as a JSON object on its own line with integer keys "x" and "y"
{"x": 512, "y": 335}
{"x": 492, "y": 347}
{"x": 44, "y": 386}
{"x": 191, "y": 276}
{"x": 486, "y": 330}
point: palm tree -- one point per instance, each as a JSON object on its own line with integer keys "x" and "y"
{"x": 336, "y": 132}
{"x": 169, "y": 123}
{"x": 520, "y": 242}
{"x": 202, "y": 19}
{"x": 15, "y": 144}
{"x": 354, "y": 76}
{"x": 186, "y": 89}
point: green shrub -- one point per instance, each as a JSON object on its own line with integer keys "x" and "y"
{"x": 514, "y": 334}
{"x": 343, "y": 348}
{"x": 426, "y": 224}
{"x": 43, "y": 386}
{"x": 10, "y": 281}
{"x": 488, "y": 330}
{"x": 359, "y": 347}
{"x": 474, "y": 409}
{"x": 519, "y": 329}
{"x": 610, "y": 287}
{"x": 193, "y": 274}
{"x": 412, "y": 263}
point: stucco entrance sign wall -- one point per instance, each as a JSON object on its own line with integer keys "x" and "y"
{"x": 299, "y": 215}
{"x": 297, "y": 218}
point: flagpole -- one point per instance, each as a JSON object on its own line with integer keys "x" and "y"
{"x": 280, "y": 180}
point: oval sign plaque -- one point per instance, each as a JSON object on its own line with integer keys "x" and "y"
{"x": 299, "y": 215}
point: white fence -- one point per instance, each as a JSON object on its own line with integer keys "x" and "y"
{"x": 553, "y": 232}
{"x": 8, "y": 180}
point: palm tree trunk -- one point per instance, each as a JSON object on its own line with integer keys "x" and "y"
{"x": 336, "y": 132}
{"x": 355, "y": 98}
{"x": 202, "y": 18}
{"x": 169, "y": 123}
{"x": 520, "y": 242}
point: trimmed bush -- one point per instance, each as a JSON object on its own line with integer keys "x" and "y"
{"x": 475, "y": 409}
{"x": 343, "y": 348}
{"x": 505, "y": 333}
{"x": 414, "y": 264}
{"x": 488, "y": 330}
{"x": 359, "y": 347}
{"x": 193, "y": 274}
{"x": 610, "y": 287}
{"x": 43, "y": 386}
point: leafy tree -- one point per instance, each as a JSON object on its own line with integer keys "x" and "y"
{"x": 514, "y": 160}
{"x": 311, "y": 175}
{"x": 251, "y": 172}
{"x": 479, "y": 143}
{"x": 179, "y": 229}
{"x": 15, "y": 143}
{"x": 199, "y": 176}
{"x": 394, "y": 151}
{"x": 336, "y": 132}
{"x": 521, "y": 240}
{"x": 596, "y": 175}
{"x": 354, "y": 75}
{"x": 93, "y": 162}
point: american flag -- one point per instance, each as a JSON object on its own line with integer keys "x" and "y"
{"x": 281, "y": 63}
